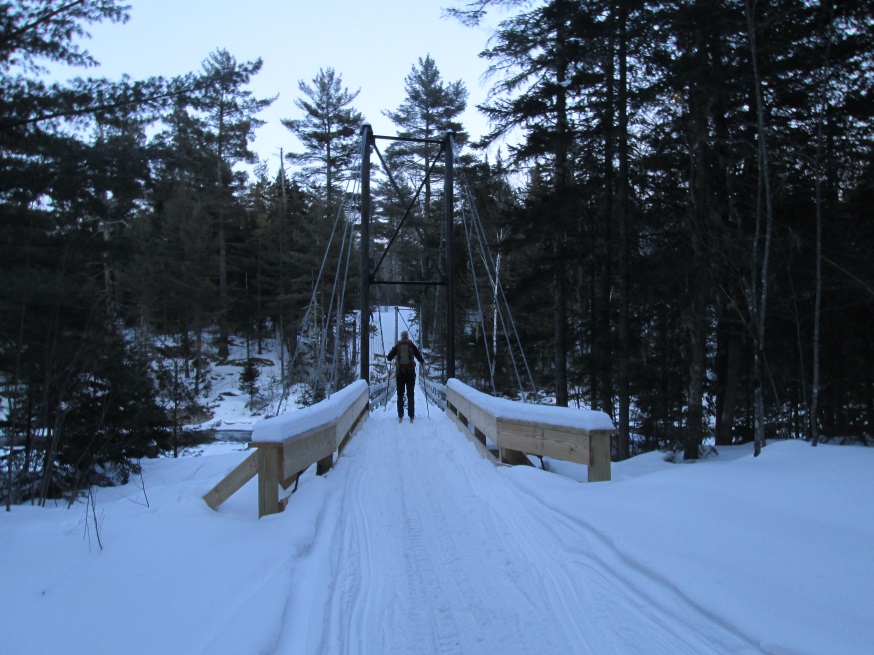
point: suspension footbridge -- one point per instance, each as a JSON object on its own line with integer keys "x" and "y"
{"x": 426, "y": 542}
{"x": 288, "y": 444}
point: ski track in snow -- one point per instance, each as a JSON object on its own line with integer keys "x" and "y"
{"x": 406, "y": 506}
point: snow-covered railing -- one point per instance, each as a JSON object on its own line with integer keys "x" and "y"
{"x": 435, "y": 392}
{"x": 575, "y": 435}
{"x": 287, "y": 445}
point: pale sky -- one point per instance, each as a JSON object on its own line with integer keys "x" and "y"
{"x": 372, "y": 44}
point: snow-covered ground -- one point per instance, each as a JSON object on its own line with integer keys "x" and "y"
{"x": 413, "y": 543}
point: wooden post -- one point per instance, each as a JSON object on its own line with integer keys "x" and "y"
{"x": 324, "y": 465}
{"x": 599, "y": 456}
{"x": 514, "y": 457}
{"x": 269, "y": 464}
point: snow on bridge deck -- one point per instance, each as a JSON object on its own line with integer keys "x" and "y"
{"x": 424, "y": 547}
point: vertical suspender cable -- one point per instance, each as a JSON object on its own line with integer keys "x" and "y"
{"x": 488, "y": 262}
{"x": 479, "y": 303}
{"x": 334, "y": 291}
{"x": 341, "y": 307}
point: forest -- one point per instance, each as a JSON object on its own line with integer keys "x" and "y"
{"x": 682, "y": 217}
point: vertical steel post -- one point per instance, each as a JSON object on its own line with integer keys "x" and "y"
{"x": 449, "y": 202}
{"x": 366, "y": 142}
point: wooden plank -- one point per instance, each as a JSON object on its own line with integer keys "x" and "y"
{"x": 457, "y": 416}
{"x": 599, "y": 456}
{"x": 514, "y": 457}
{"x": 233, "y": 481}
{"x": 569, "y": 444}
{"x": 351, "y": 415}
{"x": 268, "y": 480}
{"x": 473, "y": 413}
{"x": 305, "y": 449}
{"x": 287, "y": 482}
{"x": 515, "y": 437}
{"x": 282, "y": 462}
{"x": 456, "y": 401}
{"x": 365, "y": 413}
{"x": 324, "y": 465}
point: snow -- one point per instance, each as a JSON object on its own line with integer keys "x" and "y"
{"x": 502, "y": 408}
{"x": 229, "y": 405}
{"x": 413, "y": 543}
{"x": 279, "y": 428}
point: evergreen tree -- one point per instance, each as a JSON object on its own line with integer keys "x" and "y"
{"x": 328, "y": 131}
{"x": 249, "y": 381}
{"x": 229, "y": 122}
{"x": 535, "y": 51}
{"x": 430, "y": 110}
{"x": 67, "y": 371}
{"x": 673, "y": 160}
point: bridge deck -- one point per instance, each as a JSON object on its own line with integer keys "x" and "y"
{"x": 425, "y": 547}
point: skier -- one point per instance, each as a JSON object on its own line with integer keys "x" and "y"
{"x": 406, "y": 350}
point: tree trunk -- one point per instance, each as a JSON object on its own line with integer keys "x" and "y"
{"x": 759, "y": 297}
{"x": 700, "y": 197}
{"x": 198, "y": 359}
{"x": 727, "y": 380}
{"x": 819, "y": 172}
{"x": 562, "y": 183}
{"x": 223, "y": 351}
{"x": 560, "y": 286}
{"x": 697, "y": 374}
{"x": 623, "y": 247}
{"x": 602, "y": 386}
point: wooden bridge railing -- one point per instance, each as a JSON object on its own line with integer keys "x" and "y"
{"x": 575, "y": 435}
{"x": 381, "y": 392}
{"x": 434, "y": 391}
{"x": 289, "y": 444}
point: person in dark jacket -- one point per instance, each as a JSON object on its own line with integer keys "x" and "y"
{"x": 406, "y": 352}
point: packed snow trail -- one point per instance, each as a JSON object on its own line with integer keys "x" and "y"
{"x": 424, "y": 547}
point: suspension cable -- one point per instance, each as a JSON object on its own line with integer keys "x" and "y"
{"x": 479, "y": 303}
{"x": 352, "y": 184}
{"x": 499, "y": 309}
{"x": 340, "y": 309}
{"x": 489, "y": 265}
{"x": 473, "y": 229}
{"x": 502, "y": 303}
{"x": 334, "y": 291}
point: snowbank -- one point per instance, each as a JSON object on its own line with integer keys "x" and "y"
{"x": 775, "y": 546}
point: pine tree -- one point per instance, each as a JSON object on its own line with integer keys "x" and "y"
{"x": 230, "y": 121}
{"x": 430, "y": 110}
{"x": 67, "y": 369}
{"x": 328, "y": 131}
{"x": 534, "y": 52}
{"x": 249, "y": 381}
